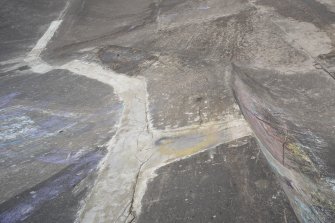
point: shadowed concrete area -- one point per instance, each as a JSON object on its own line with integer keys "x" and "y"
{"x": 229, "y": 183}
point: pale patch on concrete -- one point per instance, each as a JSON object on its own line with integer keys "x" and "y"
{"x": 13, "y": 127}
{"x": 128, "y": 149}
{"x": 43, "y": 41}
{"x": 33, "y": 57}
{"x": 329, "y": 3}
{"x": 309, "y": 37}
{"x": 297, "y": 43}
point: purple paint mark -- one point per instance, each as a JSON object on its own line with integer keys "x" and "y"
{"x": 21, "y": 207}
{"x": 51, "y": 122}
{"x": 8, "y": 98}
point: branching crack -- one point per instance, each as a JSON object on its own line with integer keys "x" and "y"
{"x": 122, "y": 213}
{"x": 131, "y": 212}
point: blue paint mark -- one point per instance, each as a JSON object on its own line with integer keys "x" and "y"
{"x": 17, "y": 127}
{"x": 307, "y": 213}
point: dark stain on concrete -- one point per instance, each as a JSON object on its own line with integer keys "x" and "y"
{"x": 125, "y": 60}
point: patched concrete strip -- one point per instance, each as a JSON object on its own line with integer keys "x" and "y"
{"x": 137, "y": 147}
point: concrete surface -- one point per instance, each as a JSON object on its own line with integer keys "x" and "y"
{"x": 167, "y": 111}
{"x": 222, "y": 184}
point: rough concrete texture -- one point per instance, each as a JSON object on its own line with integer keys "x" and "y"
{"x": 221, "y": 184}
{"x": 167, "y": 111}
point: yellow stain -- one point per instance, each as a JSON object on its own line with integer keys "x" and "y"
{"x": 297, "y": 152}
{"x": 168, "y": 147}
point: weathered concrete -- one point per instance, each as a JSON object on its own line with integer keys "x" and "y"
{"x": 118, "y": 94}
{"x": 53, "y": 134}
{"x": 222, "y": 184}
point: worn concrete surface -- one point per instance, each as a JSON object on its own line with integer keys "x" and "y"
{"x": 167, "y": 111}
{"x": 222, "y": 184}
{"x": 50, "y": 124}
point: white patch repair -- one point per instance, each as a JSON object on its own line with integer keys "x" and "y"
{"x": 308, "y": 36}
